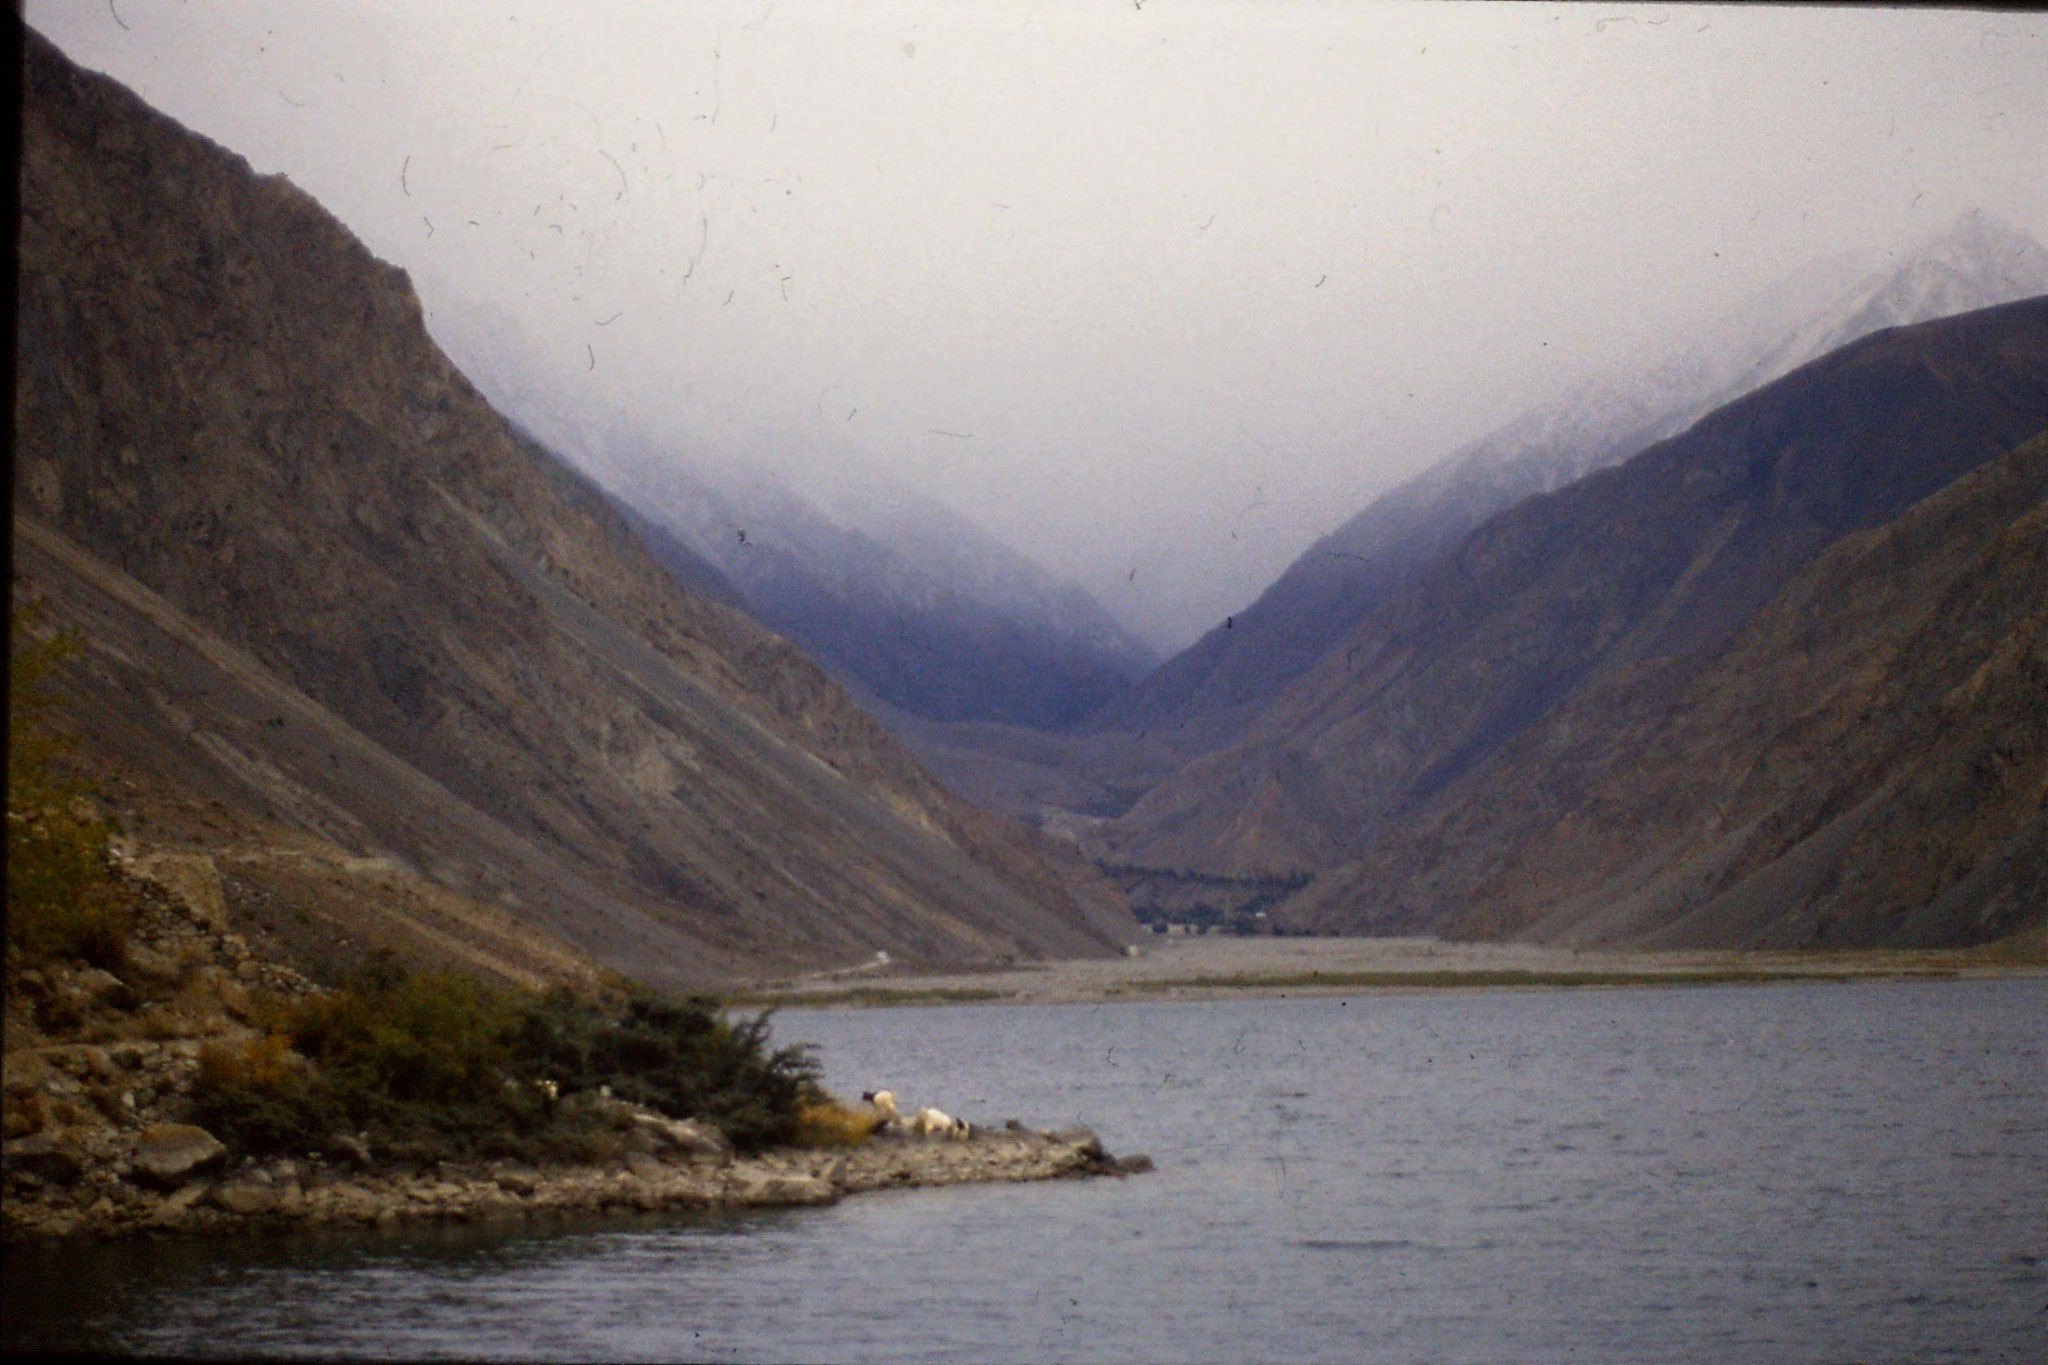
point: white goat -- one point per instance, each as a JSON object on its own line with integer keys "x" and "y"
{"x": 928, "y": 1123}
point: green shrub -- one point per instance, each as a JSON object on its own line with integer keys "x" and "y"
{"x": 437, "y": 1065}
{"x": 676, "y": 1057}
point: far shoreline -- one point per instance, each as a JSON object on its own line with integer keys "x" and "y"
{"x": 1212, "y": 967}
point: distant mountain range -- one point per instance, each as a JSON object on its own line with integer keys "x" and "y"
{"x": 921, "y": 613}
{"x": 1211, "y": 691}
{"x": 1500, "y": 710}
{"x": 387, "y": 670}
{"x": 903, "y": 599}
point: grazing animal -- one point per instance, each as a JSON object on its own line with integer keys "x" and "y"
{"x": 885, "y": 1105}
{"x": 932, "y": 1123}
{"x": 928, "y": 1122}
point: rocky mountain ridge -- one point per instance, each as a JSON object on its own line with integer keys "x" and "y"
{"x": 329, "y": 591}
{"x": 1862, "y": 766}
{"x": 1211, "y": 691}
{"x": 1633, "y": 579}
{"x": 900, "y": 597}
{"x": 904, "y": 600}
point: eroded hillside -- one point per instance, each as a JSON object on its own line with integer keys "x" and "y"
{"x": 329, "y": 591}
{"x": 1584, "y": 609}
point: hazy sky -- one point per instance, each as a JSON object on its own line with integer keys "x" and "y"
{"x": 1157, "y": 293}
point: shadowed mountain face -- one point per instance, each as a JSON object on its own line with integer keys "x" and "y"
{"x": 333, "y": 597}
{"x": 1635, "y": 577}
{"x": 902, "y": 598}
{"x": 1209, "y": 693}
{"x": 1866, "y": 764}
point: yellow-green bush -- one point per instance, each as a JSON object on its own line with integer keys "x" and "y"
{"x": 828, "y": 1123}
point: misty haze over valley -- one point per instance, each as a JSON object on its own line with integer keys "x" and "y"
{"x": 1126, "y": 584}
{"x": 1339, "y": 539}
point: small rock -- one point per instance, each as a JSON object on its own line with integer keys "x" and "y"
{"x": 645, "y": 1166}
{"x": 518, "y": 1182}
{"x": 105, "y": 989}
{"x": 129, "y": 1055}
{"x": 24, "y": 1116}
{"x": 1085, "y": 1141}
{"x": 687, "y": 1136}
{"x": 1135, "y": 1164}
{"x": 248, "y": 969}
{"x": 45, "y": 1156}
{"x": 166, "y": 1153}
{"x": 107, "y": 1100}
{"x": 245, "y": 1199}
{"x": 176, "y": 1208}
{"x": 145, "y": 964}
{"x": 356, "y": 1149}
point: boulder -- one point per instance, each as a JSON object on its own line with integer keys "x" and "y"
{"x": 245, "y": 1198}
{"x": 174, "y": 1210}
{"x": 46, "y": 1156}
{"x": 644, "y": 1166}
{"x": 191, "y": 881}
{"x": 518, "y": 1182}
{"x": 355, "y": 1149}
{"x": 106, "y": 990}
{"x": 166, "y": 1154}
{"x": 130, "y": 1055}
{"x": 685, "y": 1136}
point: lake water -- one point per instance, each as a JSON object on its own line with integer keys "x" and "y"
{"x": 1785, "y": 1172}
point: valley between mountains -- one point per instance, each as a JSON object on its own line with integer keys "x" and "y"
{"x": 1747, "y": 652}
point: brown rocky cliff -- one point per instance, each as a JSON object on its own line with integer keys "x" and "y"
{"x": 1639, "y": 571}
{"x": 1866, "y": 765}
{"x": 223, "y": 397}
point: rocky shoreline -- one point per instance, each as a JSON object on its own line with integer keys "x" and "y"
{"x": 100, "y": 1070}
{"x": 58, "y": 1192}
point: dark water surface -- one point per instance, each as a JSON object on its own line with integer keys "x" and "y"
{"x": 1788, "y": 1172}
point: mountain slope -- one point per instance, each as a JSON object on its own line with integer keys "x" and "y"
{"x": 909, "y": 602}
{"x": 225, "y": 406}
{"x": 1648, "y": 566}
{"x": 1866, "y": 764}
{"x": 1211, "y": 691}
{"x": 888, "y": 588}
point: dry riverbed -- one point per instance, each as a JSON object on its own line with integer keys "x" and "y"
{"x": 1212, "y": 966}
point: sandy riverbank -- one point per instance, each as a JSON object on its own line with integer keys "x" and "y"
{"x": 1207, "y": 967}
